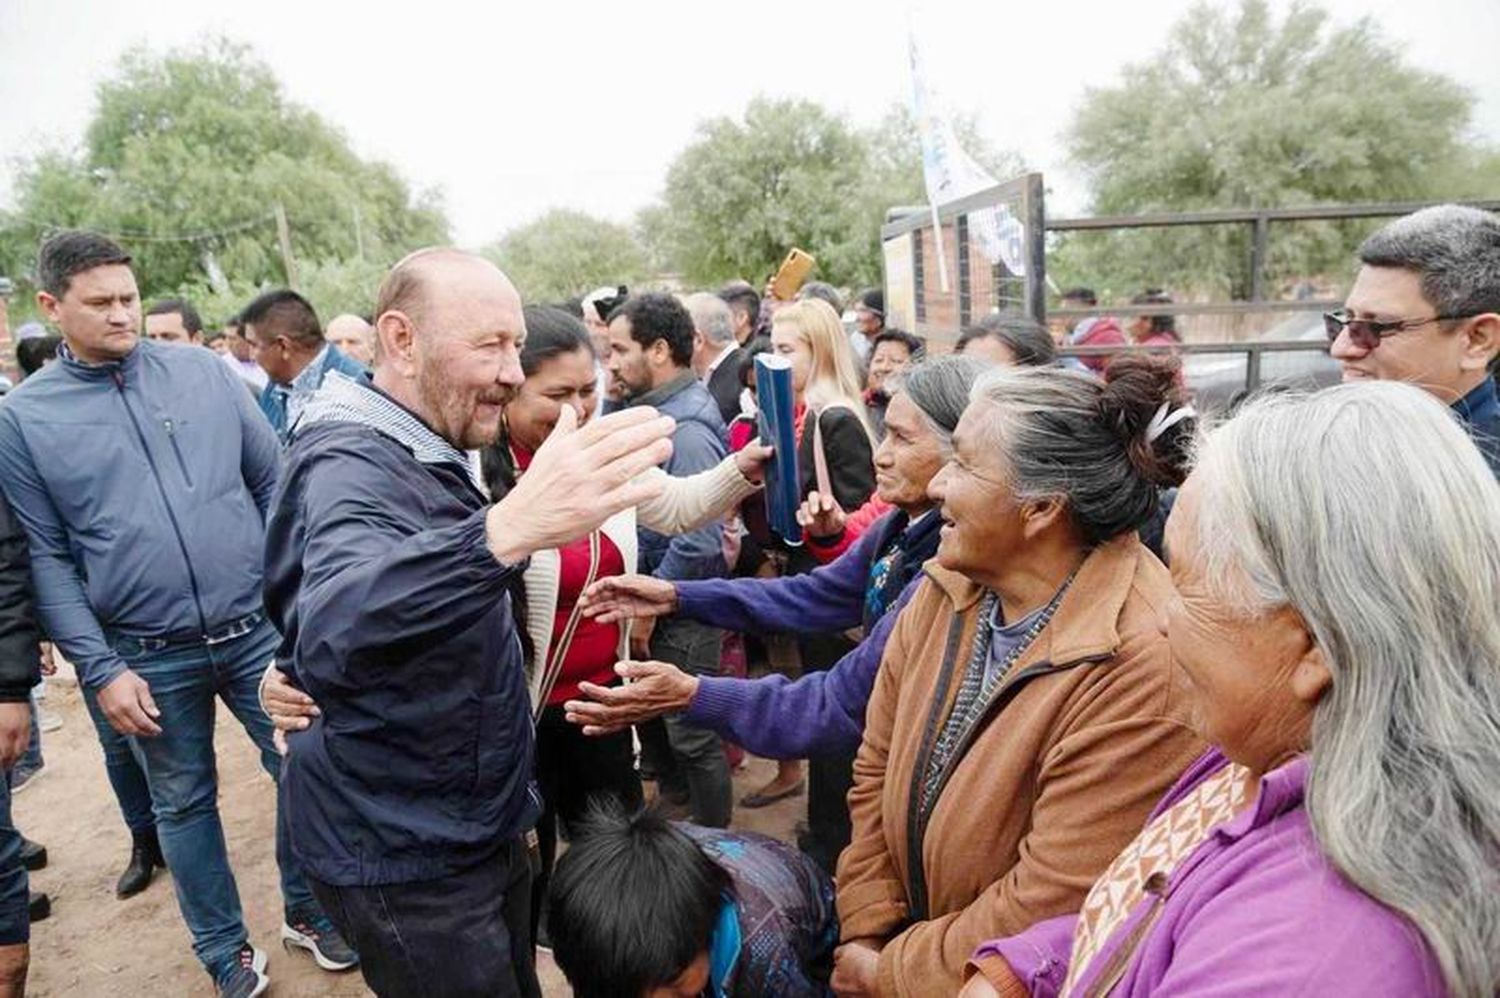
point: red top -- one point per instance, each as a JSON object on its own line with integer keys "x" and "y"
{"x": 595, "y": 648}
{"x": 741, "y": 432}
{"x": 746, "y": 428}
{"x": 854, "y": 527}
{"x": 592, "y": 655}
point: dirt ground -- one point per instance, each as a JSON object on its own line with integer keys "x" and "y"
{"x": 95, "y": 944}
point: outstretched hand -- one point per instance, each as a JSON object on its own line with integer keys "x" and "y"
{"x": 621, "y": 597}
{"x": 578, "y": 479}
{"x": 651, "y": 689}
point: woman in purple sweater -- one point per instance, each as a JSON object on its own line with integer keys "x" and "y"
{"x": 1337, "y": 564}
{"x": 823, "y": 712}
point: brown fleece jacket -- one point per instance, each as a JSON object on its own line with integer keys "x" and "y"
{"x": 1080, "y": 741}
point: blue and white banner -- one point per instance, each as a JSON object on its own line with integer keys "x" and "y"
{"x": 951, "y": 174}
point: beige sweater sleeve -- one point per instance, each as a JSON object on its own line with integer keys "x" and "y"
{"x": 689, "y": 503}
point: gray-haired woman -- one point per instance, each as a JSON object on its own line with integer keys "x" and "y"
{"x": 823, "y": 712}
{"x": 1337, "y": 565}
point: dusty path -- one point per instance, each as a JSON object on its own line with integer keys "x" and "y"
{"x": 95, "y": 944}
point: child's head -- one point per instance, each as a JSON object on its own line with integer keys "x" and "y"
{"x": 632, "y": 909}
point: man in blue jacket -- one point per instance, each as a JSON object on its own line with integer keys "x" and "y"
{"x": 650, "y": 360}
{"x": 388, "y": 572}
{"x": 142, "y": 474}
{"x": 283, "y": 330}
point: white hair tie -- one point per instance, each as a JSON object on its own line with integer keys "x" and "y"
{"x": 1164, "y": 420}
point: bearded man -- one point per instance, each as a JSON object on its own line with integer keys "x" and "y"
{"x": 387, "y": 573}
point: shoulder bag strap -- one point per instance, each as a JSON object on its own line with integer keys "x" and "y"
{"x": 561, "y": 646}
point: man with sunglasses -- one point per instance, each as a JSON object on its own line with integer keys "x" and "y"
{"x": 1425, "y": 309}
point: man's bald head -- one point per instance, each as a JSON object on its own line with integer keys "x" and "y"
{"x": 417, "y": 282}
{"x": 450, "y": 331}
{"x": 353, "y": 336}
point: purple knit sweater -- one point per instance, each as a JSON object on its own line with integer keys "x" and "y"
{"x": 1255, "y": 910}
{"x": 823, "y": 712}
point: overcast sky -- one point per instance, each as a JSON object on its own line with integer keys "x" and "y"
{"x": 510, "y": 108}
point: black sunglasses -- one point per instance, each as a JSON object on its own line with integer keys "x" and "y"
{"x": 1367, "y": 333}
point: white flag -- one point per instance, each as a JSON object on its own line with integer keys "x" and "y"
{"x": 951, "y": 174}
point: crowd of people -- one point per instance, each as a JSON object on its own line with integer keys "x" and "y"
{"x": 1085, "y": 695}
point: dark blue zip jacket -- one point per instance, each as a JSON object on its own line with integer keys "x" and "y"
{"x": 395, "y": 619}
{"x": 1480, "y": 412}
{"x": 697, "y": 445}
{"x": 143, "y": 486}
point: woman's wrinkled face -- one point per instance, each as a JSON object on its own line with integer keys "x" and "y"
{"x": 982, "y": 521}
{"x": 566, "y": 379}
{"x": 1253, "y": 680}
{"x": 908, "y": 457}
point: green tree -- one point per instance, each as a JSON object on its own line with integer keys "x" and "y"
{"x": 565, "y": 253}
{"x": 745, "y": 191}
{"x": 333, "y": 286}
{"x": 789, "y": 173}
{"x": 1242, "y": 109}
{"x": 203, "y": 144}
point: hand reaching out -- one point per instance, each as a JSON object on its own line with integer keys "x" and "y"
{"x": 651, "y": 690}
{"x": 621, "y": 597}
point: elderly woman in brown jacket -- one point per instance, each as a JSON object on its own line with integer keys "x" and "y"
{"x": 1025, "y": 719}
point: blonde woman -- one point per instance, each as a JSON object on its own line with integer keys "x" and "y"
{"x": 831, "y": 429}
{"x": 826, "y": 380}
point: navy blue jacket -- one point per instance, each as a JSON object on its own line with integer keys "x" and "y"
{"x": 395, "y": 619}
{"x": 1480, "y": 412}
{"x": 143, "y": 486}
{"x": 697, "y": 445}
{"x": 20, "y": 663}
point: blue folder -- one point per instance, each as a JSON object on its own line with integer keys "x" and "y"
{"x": 774, "y": 398}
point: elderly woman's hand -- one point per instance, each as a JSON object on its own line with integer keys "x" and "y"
{"x": 619, "y": 597}
{"x": 855, "y": 969}
{"x": 651, "y": 689}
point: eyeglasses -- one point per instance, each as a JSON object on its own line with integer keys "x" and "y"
{"x": 1367, "y": 333}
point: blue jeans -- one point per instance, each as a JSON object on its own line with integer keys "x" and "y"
{"x": 180, "y": 768}
{"x": 126, "y": 777}
{"x": 15, "y": 890}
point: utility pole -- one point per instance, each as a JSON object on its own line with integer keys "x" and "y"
{"x": 284, "y": 236}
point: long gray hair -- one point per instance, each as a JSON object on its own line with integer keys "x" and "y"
{"x": 1367, "y": 510}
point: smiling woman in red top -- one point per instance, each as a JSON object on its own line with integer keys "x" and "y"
{"x": 562, "y": 647}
